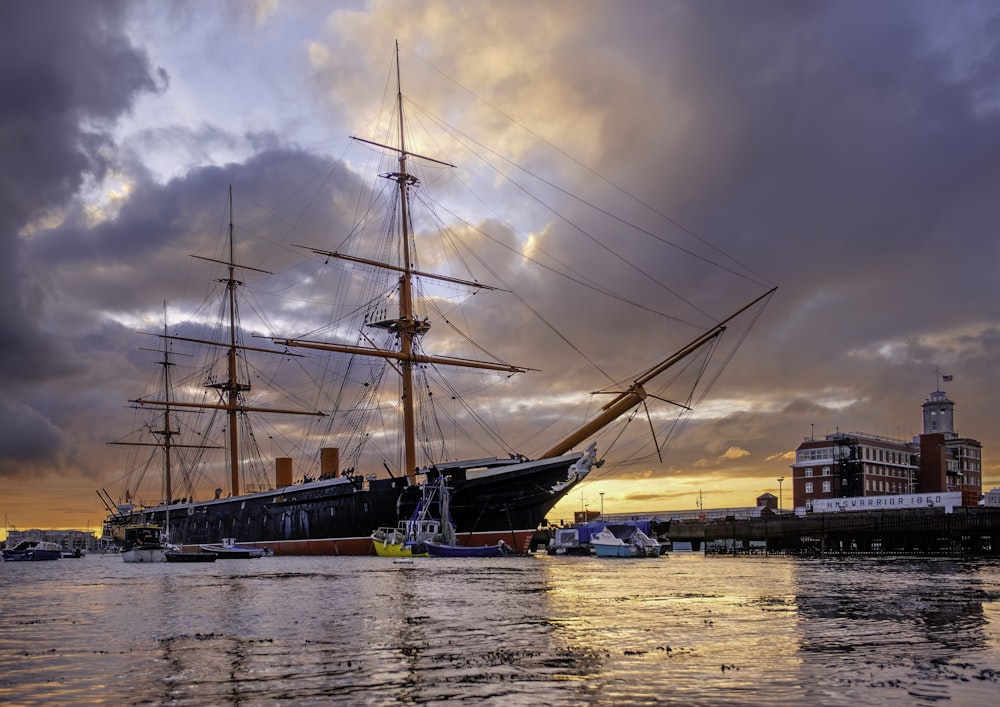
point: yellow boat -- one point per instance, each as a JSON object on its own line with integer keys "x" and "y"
{"x": 391, "y": 542}
{"x": 408, "y": 538}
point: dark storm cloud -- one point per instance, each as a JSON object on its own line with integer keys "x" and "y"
{"x": 67, "y": 71}
{"x": 843, "y": 150}
{"x": 27, "y": 439}
{"x": 148, "y": 241}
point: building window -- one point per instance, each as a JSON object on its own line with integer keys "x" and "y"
{"x": 809, "y": 487}
{"x": 809, "y": 472}
{"x": 826, "y": 487}
{"x": 826, "y": 470}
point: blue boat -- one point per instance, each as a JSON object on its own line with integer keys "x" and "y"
{"x": 446, "y": 545}
{"x": 435, "y": 549}
{"x": 33, "y": 550}
{"x": 199, "y": 556}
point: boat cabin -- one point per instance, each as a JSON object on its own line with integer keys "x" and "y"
{"x": 139, "y": 535}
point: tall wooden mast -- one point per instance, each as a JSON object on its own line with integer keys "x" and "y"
{"x": 231, "y": 390}
{"x": 407, "y": 326}
{"x": 232, "y": 387}
{"x": 166, "y": 433}
{"x": 407, "y": 321}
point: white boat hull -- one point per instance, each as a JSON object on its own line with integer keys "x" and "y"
{"x": 145, "y": 554}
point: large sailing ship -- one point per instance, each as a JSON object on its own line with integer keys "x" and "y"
{"x": 498, "y": 498}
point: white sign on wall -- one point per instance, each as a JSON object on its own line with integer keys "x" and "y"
{"x": 944, "y": 499}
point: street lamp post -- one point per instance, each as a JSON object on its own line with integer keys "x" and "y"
{"x": 780, "y": 480}
{"x": 602, "y": 505}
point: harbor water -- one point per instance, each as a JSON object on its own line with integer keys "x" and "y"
{"x": 683, "y": 629}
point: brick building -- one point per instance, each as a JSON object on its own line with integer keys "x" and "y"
{"x": 863, "y": 464}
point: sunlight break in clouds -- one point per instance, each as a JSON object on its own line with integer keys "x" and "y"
{"x": 730, "y": 454}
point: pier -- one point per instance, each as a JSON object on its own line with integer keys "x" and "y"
{"x": 965, "y": 532}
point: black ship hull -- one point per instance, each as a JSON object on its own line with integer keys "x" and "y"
{"x": 491, "y": 500}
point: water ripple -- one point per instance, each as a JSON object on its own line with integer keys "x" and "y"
{"x": 538, "y": 630}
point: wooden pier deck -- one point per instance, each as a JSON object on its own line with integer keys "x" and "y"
{"x": 967, "y": 531}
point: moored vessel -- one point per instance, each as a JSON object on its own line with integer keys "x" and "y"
{"x": 409, "y": 538}
{"x": 335, "y": 508}
{"x": 143, "y": 543}
{"x": 32, "y": 550}
{"x": 228, "y": 549}
{"x": 622, "y": 540}
{"x": 187, "y": 557}
{"x": 436, "y": 549}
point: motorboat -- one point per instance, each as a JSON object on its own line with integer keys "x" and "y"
{"x": 33, "y": 550}
{"x": 229, "y": 550}
{"x": 566, "y": 541}
{"x": 624, "y": 541}
{"x": 436, "y": 549}
{"x": 143, "y": 544}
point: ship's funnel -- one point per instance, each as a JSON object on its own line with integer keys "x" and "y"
{"x": 329, "y": 462}
{"x": 283, "y": 471}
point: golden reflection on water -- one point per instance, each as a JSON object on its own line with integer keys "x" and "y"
{"x": 680, "y": 624}
{"x": 991, "y": 614}
{"x": 681, "y": 629}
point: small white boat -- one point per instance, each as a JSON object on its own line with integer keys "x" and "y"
{"x": 624, "y": 541}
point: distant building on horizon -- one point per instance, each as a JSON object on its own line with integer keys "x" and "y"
{"x": 767, "y": 500}
{"x": 864, "y": 464}
{"x": 70, "y": 540}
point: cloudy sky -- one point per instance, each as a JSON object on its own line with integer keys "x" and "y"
{"x": 845, "y": 152}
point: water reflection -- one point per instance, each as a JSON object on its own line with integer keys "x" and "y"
{"x": 906, "y": 628}
{"x": 558, "y": 631}
{"x": 678, "y": 629}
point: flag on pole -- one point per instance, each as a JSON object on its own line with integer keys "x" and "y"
{"x": 946, "y": 378}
